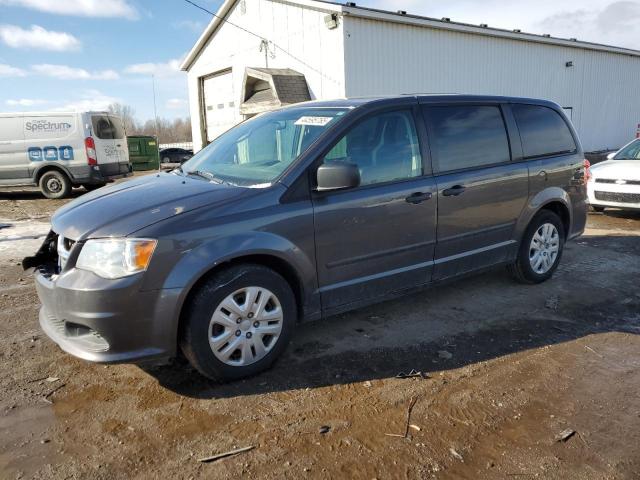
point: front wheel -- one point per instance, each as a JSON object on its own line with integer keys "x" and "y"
{"x": 238, "y": 322}
{"x": 597, "y": 209}
{"x": 55, "y": 184}
{"x": 540, "y": 250}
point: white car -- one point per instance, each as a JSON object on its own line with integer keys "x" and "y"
{"x": 616, "y": 181}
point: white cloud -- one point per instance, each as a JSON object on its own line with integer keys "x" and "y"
{"x": 38, "y": 38}
{"x": 80, "y": 8}
{"x": 64, "y": 72}
{"x": 194, "y": 26}
{"x": 168, "y": 69}
{"x": 177, "y": 103}
{"x": 600, "y": 21}
{"x": 9, "y": 71}
{"x": 26, "y": 102}
{"x": 89, "y": 100}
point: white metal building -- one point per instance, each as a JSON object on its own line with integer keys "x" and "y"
{"x": 291, "y": 50}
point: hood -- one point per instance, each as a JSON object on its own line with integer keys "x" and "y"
{"x": 124, "y": 208}
{"x": 617, "y": 170}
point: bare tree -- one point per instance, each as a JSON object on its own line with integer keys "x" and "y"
{"x": 127, "y": 114}
{"x": 168, "y": 131}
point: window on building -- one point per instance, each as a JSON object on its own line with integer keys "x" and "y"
{"x": 542, "y": 131}
{"x": 384, "y": 147}
{"x": 466, "y": 136}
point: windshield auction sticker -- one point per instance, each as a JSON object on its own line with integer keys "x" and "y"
{"x": 314, "y": 121}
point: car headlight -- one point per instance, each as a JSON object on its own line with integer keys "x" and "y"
{"x": 116, "y": 258}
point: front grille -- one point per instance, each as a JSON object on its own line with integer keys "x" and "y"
{"x": 618, "y": 197}
{"x": 622, "y": 182}
{"x": 64, "y": 250}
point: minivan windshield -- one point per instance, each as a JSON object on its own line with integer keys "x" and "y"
{"x": 256, "y": 152}
{"x": 630, "y": 152}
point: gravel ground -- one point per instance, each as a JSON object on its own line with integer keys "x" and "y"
{"x": 507, "y": 368}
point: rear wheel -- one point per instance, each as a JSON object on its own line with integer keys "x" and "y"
{"x": 55, "y": 184}
{"x": 238, "y": 322}
{"x": 540, "y": 250}
{"x": 166, "y": 160}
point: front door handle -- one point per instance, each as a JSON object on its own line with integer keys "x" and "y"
{"x": 454, "y": 191}
{"x": 418, "y": 197}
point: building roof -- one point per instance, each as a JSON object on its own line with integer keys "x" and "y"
{"x": 351, "y": 9}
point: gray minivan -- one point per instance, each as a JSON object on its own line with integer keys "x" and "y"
{"x": 306, "y": 212}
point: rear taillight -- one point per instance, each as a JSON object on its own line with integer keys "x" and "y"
{"x": 587, "y": 171}
{"x": 90, "y": 147}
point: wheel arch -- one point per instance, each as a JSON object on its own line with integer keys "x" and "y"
{"x": 40, "y": 171}
{"x": 554, "y": 199}
{"x": 271, "y": 260}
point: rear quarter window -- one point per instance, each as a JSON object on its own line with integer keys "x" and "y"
{"x": 543, "y": 131}
{"x": 106, "y": 127}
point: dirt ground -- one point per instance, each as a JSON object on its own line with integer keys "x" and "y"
{"x": 508, "y": 368}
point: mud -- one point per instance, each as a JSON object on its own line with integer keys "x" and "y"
{"x": 526, "y": 363}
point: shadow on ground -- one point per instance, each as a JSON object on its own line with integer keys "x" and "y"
{"x": 307, "y": 363}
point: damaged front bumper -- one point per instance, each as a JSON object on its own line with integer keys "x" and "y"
{"x": 103, "y": 320}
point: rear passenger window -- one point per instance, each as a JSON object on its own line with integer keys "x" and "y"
{"x": 467, "y": 136}
{"x": 542, "y": 131}
{"x": 384, "y": 147}
{"x": 107, "y": 127}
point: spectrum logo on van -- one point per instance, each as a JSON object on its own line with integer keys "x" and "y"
{"x": 46, "y": 126}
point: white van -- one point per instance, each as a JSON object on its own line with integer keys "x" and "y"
{"x": 58, "y": 151}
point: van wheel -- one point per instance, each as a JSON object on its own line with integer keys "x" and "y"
{"x": 55, "y": 184}
{"x": 238, "y": 322}
{"x": 540, "y": 250}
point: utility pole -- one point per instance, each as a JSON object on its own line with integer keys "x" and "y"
{"x": 155, "y": 113}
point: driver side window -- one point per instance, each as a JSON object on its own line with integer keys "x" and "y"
{"x": 384, "y": 147}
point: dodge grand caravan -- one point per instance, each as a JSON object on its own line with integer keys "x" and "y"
{"x": 305, "y": 212}
{"x": 58, "y": 150}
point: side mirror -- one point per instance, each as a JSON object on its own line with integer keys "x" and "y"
{"x": 611, "y": 155}
{"x": 337, "y": 176}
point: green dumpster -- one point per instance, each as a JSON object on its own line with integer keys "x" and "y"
{"x": 143, "y": 152}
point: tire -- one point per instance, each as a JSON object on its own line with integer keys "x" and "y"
{"x": 207, "y": 318}
{"x": 523, "y": 268}
{"x": 597, "y": 209}
{"x": 90, "y": 187}
{"x": 166, "y": 160}
{"x": 55, "y": 184}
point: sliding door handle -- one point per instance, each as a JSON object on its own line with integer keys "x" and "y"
{"x": 454, "y": 191}
{"x": 418, "y": 197}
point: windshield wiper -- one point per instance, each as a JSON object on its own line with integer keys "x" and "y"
{"x": 206, "y": 175}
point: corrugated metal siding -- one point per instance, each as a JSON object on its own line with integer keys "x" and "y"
{"x": 390, "y": 58}
{"x": 313, "y": 50}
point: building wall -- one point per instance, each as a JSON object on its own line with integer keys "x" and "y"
{"x": 303, "y": 44}
{"x": 391, "y": 58}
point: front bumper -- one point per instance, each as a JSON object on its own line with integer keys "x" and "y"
{"x": 108, "y": 321}
{"x": 613, "y": 195}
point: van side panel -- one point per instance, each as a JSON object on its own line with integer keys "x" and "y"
{"x": 55, "y": 139}
{"x": 14, "y": 164}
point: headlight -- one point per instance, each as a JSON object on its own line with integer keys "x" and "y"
{"x": 116, "y": 258}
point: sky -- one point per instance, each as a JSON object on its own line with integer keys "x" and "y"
{"x": 86, "y": 54}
